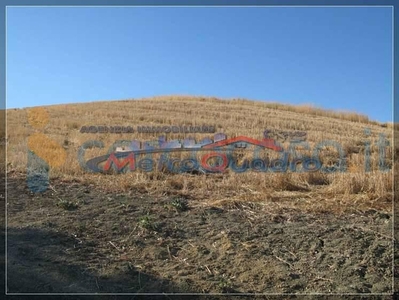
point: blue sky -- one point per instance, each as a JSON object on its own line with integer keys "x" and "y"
{"x": 335, "y": 58}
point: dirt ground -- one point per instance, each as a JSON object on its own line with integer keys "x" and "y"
{"x": 74, "y": 238}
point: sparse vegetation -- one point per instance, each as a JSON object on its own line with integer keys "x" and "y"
{"x": 180, "y": 204}
{"x": 250, "y": 232}
{"x": 148, "y": 223}
{"x": 67, "y": 205}
{"x": 225, "y": 285}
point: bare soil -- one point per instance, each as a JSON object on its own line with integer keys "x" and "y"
{"x": 76, "y": 238}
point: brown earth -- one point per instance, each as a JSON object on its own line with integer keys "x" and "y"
{"x": 75, "y": 238}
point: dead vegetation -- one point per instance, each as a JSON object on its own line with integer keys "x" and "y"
{"x": 249, "y": 232}
{"x": 57, "y": 128}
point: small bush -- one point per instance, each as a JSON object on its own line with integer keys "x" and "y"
{"x": 317, "y": 178}
{"x": 67, "y": 205}
{"x": 146, "y": 222}
{"x": 180, "y": 204}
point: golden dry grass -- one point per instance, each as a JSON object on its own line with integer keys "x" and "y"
{"x": 57, "y": 128}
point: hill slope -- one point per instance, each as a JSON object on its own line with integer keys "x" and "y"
{"x": 232, "y": 117}
{"x": 230, "y": 232}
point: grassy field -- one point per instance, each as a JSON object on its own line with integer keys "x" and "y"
{"x": 59, "y": 133}
{"x": 254, "y": 232}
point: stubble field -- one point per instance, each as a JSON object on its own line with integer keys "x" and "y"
{"x": 251, "y": 232}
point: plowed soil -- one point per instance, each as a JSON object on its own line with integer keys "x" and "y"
{"x": 75, "y": 238}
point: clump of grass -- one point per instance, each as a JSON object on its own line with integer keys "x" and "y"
{"x": 180, "y": 204}
{"x": 225, "y": 285}
{"x": 374, "y": 184}
{"x": 317, "y": 178}
{"x": 72, "y": 125}
{"x": 146, "y": 222}
{"x": 67, "y": 205}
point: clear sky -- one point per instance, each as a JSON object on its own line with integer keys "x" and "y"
{"x": 335, "y": 58}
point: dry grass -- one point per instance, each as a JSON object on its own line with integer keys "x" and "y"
{"x": 56, "y": 128}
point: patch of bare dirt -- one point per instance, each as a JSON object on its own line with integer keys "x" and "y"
{"x": 78, "y": 239}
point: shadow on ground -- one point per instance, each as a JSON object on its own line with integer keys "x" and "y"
{"x": 38, "y": 262}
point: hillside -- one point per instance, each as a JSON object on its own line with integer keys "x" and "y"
{"x": 231, "y": 117}
{"x": 246, "y": 229}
